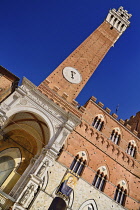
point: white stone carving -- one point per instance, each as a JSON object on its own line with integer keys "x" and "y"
{"x": 3, "y": 118}
{"x": 27, "y": 196}
{"x": 4, "y": 107}
{"x": 23, "y": 101}
{"x": 43, "y": 168}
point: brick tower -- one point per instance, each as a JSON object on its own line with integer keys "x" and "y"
{"x": 72, "y": 74}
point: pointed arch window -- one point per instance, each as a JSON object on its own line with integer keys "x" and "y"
{"x": 120, "y": 195}
{"x": 115, "y": 135}
{"x": 131, "y": 149}
{"x": 78, "y": 164}
{"x": 98, "y": 122}
{"x": 100, "y": 178}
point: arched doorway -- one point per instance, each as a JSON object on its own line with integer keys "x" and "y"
{"x": 58, "y": 204}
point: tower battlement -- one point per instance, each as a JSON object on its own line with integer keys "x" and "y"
{"x": 118, "y": 19}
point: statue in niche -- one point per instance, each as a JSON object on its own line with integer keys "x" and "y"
{"x": 43, "y": 168}
{"x": 28, "y": 195}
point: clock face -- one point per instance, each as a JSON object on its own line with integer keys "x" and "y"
{"x": 72, "y": 75}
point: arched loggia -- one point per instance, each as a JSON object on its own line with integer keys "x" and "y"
{"x": 28, "y": 132}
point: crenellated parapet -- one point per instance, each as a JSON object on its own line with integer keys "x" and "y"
{"x": 124, "y": 123}
{"x": 119, "y": 19}
{"x": 134, "y": 123}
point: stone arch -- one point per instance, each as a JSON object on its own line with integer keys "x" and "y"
{"x": 133, "y": 142}
{"x": 35, "y": 111}
{"x": 82, "y": 154}
{"x": 29, "y": 130}
{"x": 117, "y": 129}
{"x": 89, "y": 203}
{"x": 103, "y": 169}
{"x": 123, "y": 183}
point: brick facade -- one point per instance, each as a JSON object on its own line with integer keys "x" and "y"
{"x": 8, "y": 82}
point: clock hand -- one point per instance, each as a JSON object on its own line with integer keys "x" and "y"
{"x": 72, "y": 74}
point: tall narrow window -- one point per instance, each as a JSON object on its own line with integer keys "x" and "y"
{"x": 131, "y": 149}
{"x": 120, "y": 195}
{"x": 98, "y": 122}
{"x": 99, "y": 180}
{"x": 115, "y": 135}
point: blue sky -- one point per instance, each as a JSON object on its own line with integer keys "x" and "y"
{"x": 37, "y": 35}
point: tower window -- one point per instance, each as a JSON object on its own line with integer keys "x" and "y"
{"x": 98, "y": 123}
{"x": 115, "y": 137}
{"x": 111, "y": 17}
{"x": 120, "y": 195}
{"x": 122, "y": 26}
{"x": 131, "y": 149}
{"x": 99, "y": 180}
